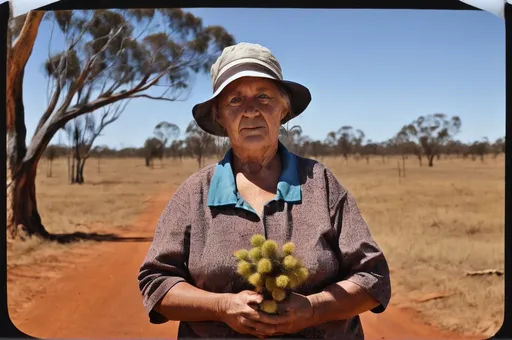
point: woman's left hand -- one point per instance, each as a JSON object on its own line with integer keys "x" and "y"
{"x": 293, "y": 315}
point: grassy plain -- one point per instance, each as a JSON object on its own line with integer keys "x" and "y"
{"x": 433, "y": 225}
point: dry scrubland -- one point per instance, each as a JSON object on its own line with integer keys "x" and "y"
{"x": 435, "y": 225}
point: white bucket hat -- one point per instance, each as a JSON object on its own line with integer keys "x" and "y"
{"x": 247, "y": 60}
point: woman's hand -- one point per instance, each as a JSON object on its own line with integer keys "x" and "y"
{"x": 236, "y": 311}
{"x": 293, "y": 315}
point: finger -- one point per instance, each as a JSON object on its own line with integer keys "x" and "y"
{"x": 259, "y": 334}
{"x": 254, "y": 298}
{"x": 284, "y": 307}
{"x": 284, "y": 328}
{"x": 256, "y": 327}
{"x": 275, "y": 319}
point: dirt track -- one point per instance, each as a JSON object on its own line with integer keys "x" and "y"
{"x": 100, "y": 299}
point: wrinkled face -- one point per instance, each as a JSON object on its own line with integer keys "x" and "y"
{"x": 251, "y": 109}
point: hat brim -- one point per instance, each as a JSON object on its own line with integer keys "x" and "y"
{"x": 300, "y": 97}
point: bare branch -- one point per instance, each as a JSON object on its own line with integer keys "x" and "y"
{"x": 48, "y": 92}
{"x": 151, "y": 97}
{"x": 56, "y": 94}
{"x": 85, "y": 72}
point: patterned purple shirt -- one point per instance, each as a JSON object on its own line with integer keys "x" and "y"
{"x": 206, "y": 220}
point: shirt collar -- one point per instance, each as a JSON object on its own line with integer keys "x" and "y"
{"x": 223, "y": 189}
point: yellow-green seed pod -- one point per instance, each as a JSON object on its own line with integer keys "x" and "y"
{"x": 264, "y": 266}
{"x": 294, "y": 281}
{"x": 242, "y": 254}
{"x": 255, "y": 254}
{"x": 257, "y": 240}
{"x": 269, "y": 248}
{"x": 269, "y": 306}
{"x": 289, "y": 262}
{"x": 288, "y": 248}
{"x": 256, "y": 280}
{"x": 244, "y": 268}
{"x": 259, "y": 289}
{"x": 270, "y": 284}
{"x": 302, "y": 274}
{"x": 282, "y": 281}
{"x": 279, "y": 294}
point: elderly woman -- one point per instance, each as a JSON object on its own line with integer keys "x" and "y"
{"x": 189, "y": 273}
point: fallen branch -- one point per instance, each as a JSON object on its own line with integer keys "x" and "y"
{"x": 485, "y": 272}
{"x": 433, "y": 296}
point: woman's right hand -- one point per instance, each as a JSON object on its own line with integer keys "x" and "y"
{"x": 236, "y": 311}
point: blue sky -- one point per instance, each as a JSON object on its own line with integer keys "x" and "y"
{"x": 375, "y": 70}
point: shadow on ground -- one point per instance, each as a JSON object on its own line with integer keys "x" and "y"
{"x": 97, "y": 237}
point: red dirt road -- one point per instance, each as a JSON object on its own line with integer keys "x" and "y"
{"x": 101, "y": 299}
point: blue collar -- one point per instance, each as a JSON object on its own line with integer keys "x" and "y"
{"x": 223, "y": 189}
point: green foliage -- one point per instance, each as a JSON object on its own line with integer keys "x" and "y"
{"x": 272, "y": 273}
{"x": 109, "y": 55}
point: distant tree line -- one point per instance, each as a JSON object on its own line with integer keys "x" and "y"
{"x": 428, "y": 138}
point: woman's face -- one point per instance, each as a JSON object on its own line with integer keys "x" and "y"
{"x": 251, "y": 110}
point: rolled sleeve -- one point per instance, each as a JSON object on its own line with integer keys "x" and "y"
{"x": 165, "y": 263}
{"x": 363, "y": 262}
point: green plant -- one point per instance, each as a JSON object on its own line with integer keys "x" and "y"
{"x": 273, "y": 273}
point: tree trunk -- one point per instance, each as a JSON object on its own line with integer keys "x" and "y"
{"x": 72, "y": 172}
{"x": 77, "y": 174}
{"x": 16, "y": 147}
{"x": 20, "y": 194}
{"x": 69, "y": 168}
{"x": 420, "y": 158}
{"x": 431, "y": 160}
{"x": 17, "y": 57}
{"x": 22, "y": 204}
{"x": 403, "y": 165}
{"x": 78, "y": 159}
{"x": 50, "y": 168}
{"x": 81, "y": 171}
{"x": 99, "y": 170}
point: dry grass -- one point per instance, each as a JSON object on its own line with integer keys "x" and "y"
{"x": 434, "y": 225}
{"x": 108, "y": 201}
